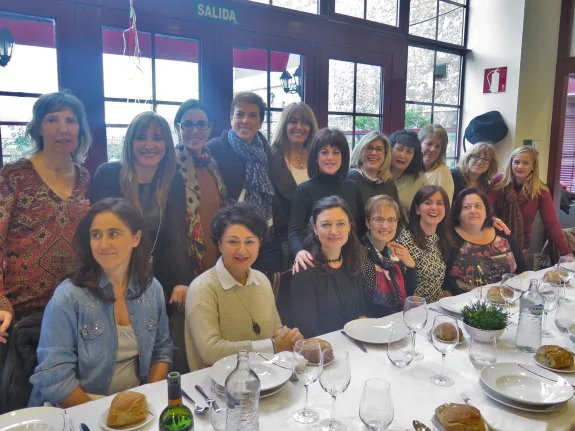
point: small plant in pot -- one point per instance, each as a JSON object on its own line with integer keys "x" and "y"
{"x": 483, "y": 320}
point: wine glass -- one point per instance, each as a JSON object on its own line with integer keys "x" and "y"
{"x": 441, "y": 325}
{"x": 549, "y": 292}
{"x": 218, "y": 410}
{"x": 566, "y": 272}
{"x": 565, "y": 317}
{"x": 375, "y": 407}
{"x": 399, "y": 350}
{"x": 509, "y": 293}
{"x": 307, "y": 366}
{"x": 334, "y": 379}
{"x": 415, "y": 318}
{"x": 482, "y": 354}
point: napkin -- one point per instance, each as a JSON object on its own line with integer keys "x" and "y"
{"x": 498, "y": 420}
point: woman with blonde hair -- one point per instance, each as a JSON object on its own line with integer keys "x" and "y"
{"x": 370, "y": 173}
{"x": 434, "y": 142}
{"x": 520, "y": 194}
{"x": 475, "y": 169}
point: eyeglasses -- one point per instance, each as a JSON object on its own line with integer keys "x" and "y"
{"x": 189, "y": 125}
{"x": 379, "y": 221}
{"x": 480, "y": 159}
{"x": 377, "y": 150}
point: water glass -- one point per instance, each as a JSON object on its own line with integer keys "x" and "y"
{"x": 415, "y": 318}
{"x": 334, "y": 379}
{"x": 375, "y": 407}
{"x": 550, "y": 293}
{"x": 482, "y": 354}
{"x": 565, "y": 318}
{"x": 218, "y": 416}
{"x": 443, "y": 345}
{"x": 399, "y": 351}
{"x": 566, "y": 271}
{"x": 307, "y": 366}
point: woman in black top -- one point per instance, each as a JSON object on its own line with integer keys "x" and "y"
{"x": 146, "y": 177}
{"x": 327, "y": 296}
{"x": 327, "y": 167}
{"x": 370, "y": 173}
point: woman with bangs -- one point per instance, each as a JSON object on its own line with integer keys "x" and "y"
{"x": 327, "y": 167}
{"x": 370, "y": 173}
{"x": 295, "y": 131}
{"x": 475, "y": 169}
{"x": 146, "y": 178}
{"x": 434, "y": 142}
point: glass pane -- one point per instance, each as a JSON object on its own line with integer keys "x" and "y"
{"x": 309, "y": 6}
{"x": 419, "y": 75}
{"x": 341, "y": 78}
{"x": 368, "y": 98}
{"x": 33, "y": 66}
{"x": 250, "y": 71}
{"x": 278, "y": 97}
{"x": 450, "y": 23}
{"x": 383, "y": 11}
{"x": 417, "y": 116}
{"x": 567, "y": 173}
{"x": 448, "y": 117}
{"x": 169, "y": 113}
{"x": 124, "y": 112}
{"x": 350, "y": 7}
{"x": 364, "y": 125}
{"x": 343, "y": 123}
{"x": 14, "y": 108}
{"x": 14, "y": 143}
{"x": 115, "y": 142}
{"x": 177, "y": 69}
{"x": 447, "y": 76}
{"x": 274, "y": 120}
{"x": 422, "y": 18}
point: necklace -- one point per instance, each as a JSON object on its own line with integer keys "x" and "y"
{"x": 299, "y": 160}
{"x": 255, "y": 326}
{"x": 151, "y": 260}
{"x": 334, "y": 260}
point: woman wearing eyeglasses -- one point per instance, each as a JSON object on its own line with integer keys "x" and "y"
{"x": 475, "y": 169}
{"x": 388, "y": 271}
{"x": 205, "y": 190}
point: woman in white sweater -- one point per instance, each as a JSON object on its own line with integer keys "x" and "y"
{"x": 231, "y": 307}
{"x": 434, "y": 142}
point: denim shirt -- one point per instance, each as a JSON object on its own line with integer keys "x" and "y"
{"x": 78, "y": 340}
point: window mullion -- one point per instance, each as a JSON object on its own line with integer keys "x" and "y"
{"x": 354, "y": 110}
{"x": 153, "y": 40}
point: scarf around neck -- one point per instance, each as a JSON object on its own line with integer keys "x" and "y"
{"x": 512, "y": 216}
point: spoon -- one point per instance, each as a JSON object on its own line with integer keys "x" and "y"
{"x": 419, "y": 426}
{"x": 197, "y": 409}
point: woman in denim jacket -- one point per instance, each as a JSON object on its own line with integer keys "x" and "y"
{"x": 105, "y": 329}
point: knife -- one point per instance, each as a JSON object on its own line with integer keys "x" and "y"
{"x": 354, "y": 341}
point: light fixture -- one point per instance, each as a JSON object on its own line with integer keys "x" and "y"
{"x": 6, "y": 46}
{"x": 289, "y": 86}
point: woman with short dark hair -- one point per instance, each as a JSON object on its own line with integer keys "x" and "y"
{"x": 105, "y": 330}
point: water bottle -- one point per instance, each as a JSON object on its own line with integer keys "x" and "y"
{"x": 242, "y": 396}
{"x": 531, "y": 305}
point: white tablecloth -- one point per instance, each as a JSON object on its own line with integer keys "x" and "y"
{"x": 414, "y": 396}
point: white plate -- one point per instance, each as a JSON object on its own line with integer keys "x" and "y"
{"x": 571, "y": 369}
{"x": 521, "y": 281}
{"x": 515, "y": 383}
{"x": 271, "y": 376}
{"x": 273, "y": 391}
{"x": 525, "y": 407}
{"x": 375, "y": 331}
{"x": 455, "y": 304}
{"x": 149, "y": 418}
{"x": 34, "y": 419}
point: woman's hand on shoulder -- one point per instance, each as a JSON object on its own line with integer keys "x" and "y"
{"x": 402, "y": 253}
{"x": 302, "y": 260}
{"x": 285, "y": 338}
{"x": 178, "y": 297}
{"x": 500, "y": 226}
{"x": 5, "y": 320}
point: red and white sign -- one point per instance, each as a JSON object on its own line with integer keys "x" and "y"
{"x": 495, "y": 80}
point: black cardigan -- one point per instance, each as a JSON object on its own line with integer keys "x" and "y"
{"x": 284, "y": 186}
{"x": 172, "y": 262}
{"x": 459, "y": 182}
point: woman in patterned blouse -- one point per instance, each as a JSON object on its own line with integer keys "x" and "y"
{"x": 42, "y": 200}
{"x": 429, "y": 239}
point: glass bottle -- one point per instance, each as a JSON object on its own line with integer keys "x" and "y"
{"x": 176, "y": 416}
{"x": 242, "y": 396}
{"x": 528, "y": 338}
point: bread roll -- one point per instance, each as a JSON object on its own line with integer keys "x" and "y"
{"x": 312, "y": 356}
{"x": 554, "y": 357}
{"x": 459, "y": 417}
{"x": 494, "y": 295}
{"x": 446, "y": 332}
{"x": 552, "y": 276}
{"x": 127, "y": 408}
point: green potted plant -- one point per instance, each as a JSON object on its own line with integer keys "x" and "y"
{"x": 483, "y": 320}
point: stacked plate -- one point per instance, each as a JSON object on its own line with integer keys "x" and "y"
{"x": 273, "y": 371}
{"x": 525, "y": 387}
{"x": 35, "y": 418}
{"x": 375, "y": 331}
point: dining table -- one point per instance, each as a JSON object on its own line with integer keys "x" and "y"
{"x": 414, "y": 396}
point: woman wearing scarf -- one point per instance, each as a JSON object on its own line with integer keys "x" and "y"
{"x": 205, "y": 190}
{"x": 520, "y": 193}
{"x": 388, "y": 271}
{"x": 242, "y": 154}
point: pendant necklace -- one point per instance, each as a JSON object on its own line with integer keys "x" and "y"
{"x": 255, "y": 326}
{"x": 151, "y": 259}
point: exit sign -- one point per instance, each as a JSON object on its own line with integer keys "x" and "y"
{"x": 214, "y": 10}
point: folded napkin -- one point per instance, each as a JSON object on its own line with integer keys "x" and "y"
{"x": 498, "y": 420}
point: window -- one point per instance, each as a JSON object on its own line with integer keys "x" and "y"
{"x": 441, "y": 20}
{"x": 310, "y": 6}
{"x": 165, "y": 75}
{"x": 32, "y": 71}
{"x": 355, "y": 98}
{"x": 260, "y": 70}
{"x": 567, "y": 175}
{"x": 433, "y": 93}
{"x": 381, "y": 11}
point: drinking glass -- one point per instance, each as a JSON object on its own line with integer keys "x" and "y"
{"x": 334, "y": 379}
{"x": 443, "y": 346}
{"x": 482, "y": 354}
{"x": 549, "y": 292}
{"x": 415, "y": 318}
{"x": 565, "y": 318}
{"x": 509, "y": 293}
{"x": 307, "y": 366}
{"x": 399, "y": 351}
{"x": 375, "y": 407}
{"x": 566, "y": 272}
{"x": 218, "y": 416}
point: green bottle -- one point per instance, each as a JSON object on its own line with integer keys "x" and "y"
{"x": 176, "y": 417}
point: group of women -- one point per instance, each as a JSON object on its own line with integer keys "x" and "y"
{"x": 167, "y": 258}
